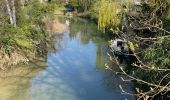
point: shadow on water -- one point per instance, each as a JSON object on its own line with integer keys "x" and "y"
{"x": 75, "y": 70}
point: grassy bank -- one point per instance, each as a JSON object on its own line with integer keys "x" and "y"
{"x": 29, "y": 38}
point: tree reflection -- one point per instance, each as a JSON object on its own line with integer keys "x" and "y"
{"x": 86, "y": 29}
{"x": 70, "y": 72}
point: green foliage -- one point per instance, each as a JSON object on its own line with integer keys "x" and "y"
{"x": 111, "y": 12}
{"x": 30, "y": 27}
{"x": 159, "y": 7}
{"x": 13, "y": 37}
{"x": 156, "y": 54}
{"x": 38, "y": 11}
{"x": 108, "y": 14}
{"x": 82, "y": 5}
{"x": 155, "y": 4}
{"x": 94, "y": 10}
{"x": 23, "y": 43}
{"x": 159, "y": 54}
{"x": 167, "y": 20}
{"x": 34, "y": 12}
{"x": 37, "y": 34}
{"x": 7, "y": 37}
{"x": 74, "y": 3}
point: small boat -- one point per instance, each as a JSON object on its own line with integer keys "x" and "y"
{"x": 119, "y": 47}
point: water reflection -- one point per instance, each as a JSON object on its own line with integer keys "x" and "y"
{"x": 76, "y": 71}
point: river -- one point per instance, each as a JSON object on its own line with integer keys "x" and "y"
{"x": 74, "y": 70}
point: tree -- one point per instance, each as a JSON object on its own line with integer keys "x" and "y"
{"x": 111, "y": 13}
{"x": 81, "y": 5}
{"x": 10, "y": 5}
{"x": 145, "y": 27}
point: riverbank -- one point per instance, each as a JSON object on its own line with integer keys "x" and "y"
{"x": 36, "y": 45}
{"x": 27, "y": 39}
{"x": 16, "y": 81}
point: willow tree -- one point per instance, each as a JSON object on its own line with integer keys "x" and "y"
{"x": 111, "y": 13}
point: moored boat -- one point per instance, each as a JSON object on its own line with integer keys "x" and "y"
{"x": 119, "y": 47}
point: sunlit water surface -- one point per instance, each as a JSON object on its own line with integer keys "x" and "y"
{"x": 75, "y": 70}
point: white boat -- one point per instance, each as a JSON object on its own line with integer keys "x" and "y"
{"x": 119, "y": 47}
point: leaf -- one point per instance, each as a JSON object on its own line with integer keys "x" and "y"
{"x": 131, "y": 46}
{"x": 137, "y": 45}
{"x": 137, "y": 89}
{"x": 112, "y": 29}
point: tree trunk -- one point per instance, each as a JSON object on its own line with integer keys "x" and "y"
{"x": 85, "y": 3}
{"x": 13, "y": 12}
{"x": 9, "y": 11}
